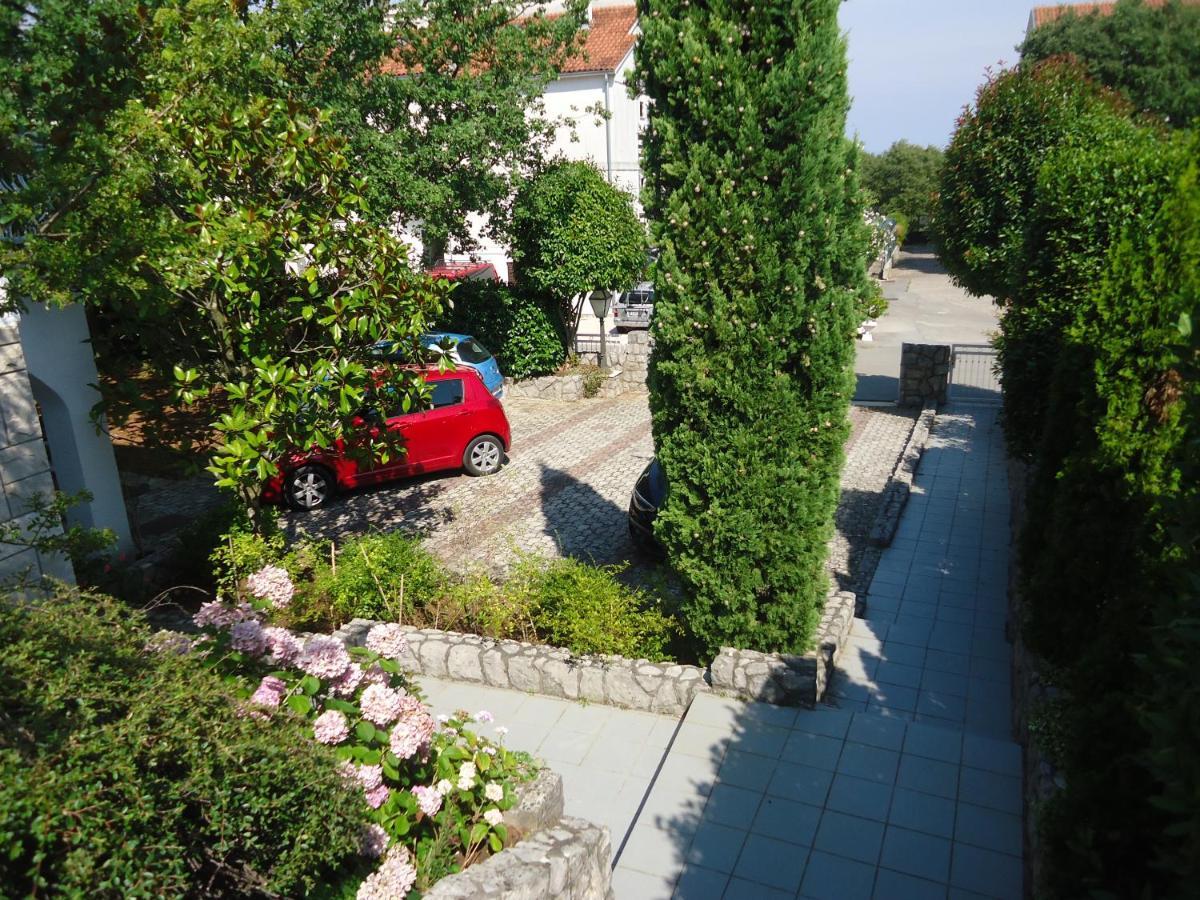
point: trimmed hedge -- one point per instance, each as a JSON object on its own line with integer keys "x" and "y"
{"x": 523, "y": 331}
{"x": 131, "y": 773}
{"x": 757, "y": 210}
{"x": 1111, "y": 564}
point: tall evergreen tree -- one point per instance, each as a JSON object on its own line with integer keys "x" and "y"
{"x": 756, "y": 208}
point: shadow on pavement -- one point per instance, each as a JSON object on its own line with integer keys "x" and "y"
{"x": 877, "y": 388}
{"x": 410, "y": 506}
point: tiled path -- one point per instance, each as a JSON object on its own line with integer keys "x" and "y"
{"x": 909, "y": 789}
{"x": 607, "y": 757}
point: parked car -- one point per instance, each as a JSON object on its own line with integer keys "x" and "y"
{"x": 464, "y": 428}
{"x": 649, "y": 493}
{"x": 634, "y": 308}
{"x": 464, "y": 351}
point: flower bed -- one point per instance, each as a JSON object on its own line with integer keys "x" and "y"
{"x": 436, "y": 790}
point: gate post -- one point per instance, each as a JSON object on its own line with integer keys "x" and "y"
{"x": 924, "y": 374}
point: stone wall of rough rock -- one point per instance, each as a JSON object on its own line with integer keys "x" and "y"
{"x": 924, "y": 374}
{"x": 785, "y": 679}
{"x": 568, "y": 861}
{"x": 628, "y": 366}
{"x": 899, "y": 486}
{"x": 782, "y": 679}
{"x": 550, "y": 671}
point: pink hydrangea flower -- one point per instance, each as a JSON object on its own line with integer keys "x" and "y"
{"x": 347, "y": 683}
{"x": 411, "y": 733}
{"x": 370, "y": 777}
{"x": 270, "y": 692}
{"x": 331, "y": 727}
{"x": 380, "y": 704}
{"x": 216, "y": 614}
{"x": 324, "y": 657}
{"x": 391, "y": 880}
{"x": 484, "y": 716}
{"x": 272, "y": 584}
{"x": 387, "y": 640}
{"x": 373, "y": 841}
{"x": 376, "y": 675}
{"x": 248, "y": 637}
{"x": 282, "y": 644}
{"x": 428, "y": 799}
{"x": 376, "y": 797}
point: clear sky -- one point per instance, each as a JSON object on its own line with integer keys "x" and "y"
{"x": 914, "y": 64}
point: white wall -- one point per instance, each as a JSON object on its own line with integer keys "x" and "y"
{"x": 62, "y": 371}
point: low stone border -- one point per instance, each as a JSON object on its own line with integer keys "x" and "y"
{"x": 785, "y": 679}
{"x": 572, "y": 859}
{"x": 539, "y": 803}
{"x": 899, "y": 485}
{"x": 782, "y": 679}
{"x": 570, "y": 387}
{"x": 533, "y": 668}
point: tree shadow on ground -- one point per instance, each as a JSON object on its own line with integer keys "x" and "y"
{"x": 412, "y": 506}
{"x": 876, "y": 388}
{"x": 922, "y": 258}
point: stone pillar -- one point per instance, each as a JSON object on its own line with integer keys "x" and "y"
{"x": 924, "y": 374}
{"x": 24, "y": 464}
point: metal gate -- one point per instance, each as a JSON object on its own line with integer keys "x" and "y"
{"x": 974, "y": 377}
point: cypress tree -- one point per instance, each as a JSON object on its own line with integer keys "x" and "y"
{"x": 755, "y": 206}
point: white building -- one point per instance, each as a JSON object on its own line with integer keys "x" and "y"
{"x": 595, "y": 80}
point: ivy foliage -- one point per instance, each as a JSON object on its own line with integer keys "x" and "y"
{"x": 1150, "y": 53}
{"x": 125, "y": 773}
{"x": 574, "y": 232}
{"x": 756, "y": 208}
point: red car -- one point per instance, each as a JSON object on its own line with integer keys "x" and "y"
{"x": 465, "y": 429}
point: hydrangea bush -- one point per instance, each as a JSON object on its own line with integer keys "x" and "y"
{"x": 436, "y": 789}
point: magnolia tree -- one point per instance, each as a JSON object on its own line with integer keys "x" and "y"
{"x": 218, "y": 233}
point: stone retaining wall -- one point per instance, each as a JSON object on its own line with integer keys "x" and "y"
{"x": 924, "y": 374}
{"x": 785, "y": 679}
{"x": 570, "y": 861}
{"x": 899, "y": 486}
{"x": 551, "y": 671}
{"x": 627, "y": 372}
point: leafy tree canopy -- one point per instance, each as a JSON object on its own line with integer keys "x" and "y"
{"x": 210, "y": 220}
{"x": 574, "y": 232}
{"x": 904, "y": 182}
{"x": 1151, "y": 54}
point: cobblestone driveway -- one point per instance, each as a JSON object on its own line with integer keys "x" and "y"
{"x": 566, "y": 490}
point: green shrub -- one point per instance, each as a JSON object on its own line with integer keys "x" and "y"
{"x": 991, "y": 169}
{"x": 524, "y": 331}
{"x": 759, "y": 217}
{"x": 1111, "y": 558}
{"x": 574, "y": 232}
{"x": 125, "y": 773}
{"x": 584, "y": 608}
{"x": 386, "y": 576}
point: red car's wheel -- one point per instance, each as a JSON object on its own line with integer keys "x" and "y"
{"x": 484, "y": 455}
{"x": 310, "y": 487}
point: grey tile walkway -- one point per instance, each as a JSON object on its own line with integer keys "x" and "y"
{"x": 910, "y": 788}
{"x": 607, "y": 757}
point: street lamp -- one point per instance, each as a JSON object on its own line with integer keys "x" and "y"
{"x": 601, "y": 301}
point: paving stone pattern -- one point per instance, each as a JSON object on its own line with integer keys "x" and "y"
{"x": 565, "y": 490}
{"x": 911, "y": 789}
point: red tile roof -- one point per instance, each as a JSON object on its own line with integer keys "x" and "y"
{"x": 465, "y": 271}
{"x": 609, "y": 39}
{"x": 1040, "y": 15}
{"x": 606, "y": 41}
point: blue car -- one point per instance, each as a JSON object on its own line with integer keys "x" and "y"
{"x": 464, "y": 351}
